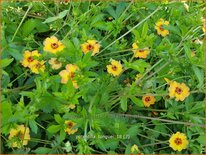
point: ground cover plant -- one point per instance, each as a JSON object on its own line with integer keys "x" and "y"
{"x": 97, "y": 77}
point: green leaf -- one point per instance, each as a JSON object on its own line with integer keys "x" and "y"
{"x": 51, "y": 19}
{"x": 29, "y": 26}
{"x": 137, "y": 101}
{"x": 59, "y": 16}
{"x": 42, "y": 150}
{"x": 199, "y": 75}
{"x": 145, "y": 30}
{"x": 138, "y": 65}
{"x": 58, "y": 119}
{"x": 63, "y": 14}
{"x": 5, "y": 62}
{"x": 172, "y": 29}
{"x": 111, "y": 11}
{"x": 62, "y": 135}
{"x": 6, "y": 111}
{"x": 123, "y": 103}
{"x": 120, "y": 8}
{"x": 54, "y": 128}
{"x": 15, "y": 53}
{"x": 33, "y": 126}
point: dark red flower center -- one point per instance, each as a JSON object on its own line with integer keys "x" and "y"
{"x": 90, "y": 47}
{"x": 70, "y": 125}
{"x": 30, "y": 59}
{"x": 178, "y": 90}
{"x": 141, "y": 51}
{"x": 178, "y": 141}
{"x": 147, "y": 99}
{"x": 114, "y": 68}
{"x": 54, "y": 45}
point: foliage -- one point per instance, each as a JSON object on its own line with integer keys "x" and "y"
{"x": 109, "y": 112}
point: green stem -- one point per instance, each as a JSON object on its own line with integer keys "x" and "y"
{"x": 30, "y": 6}
{"x": 160, "y": 119}
{"x": 17, "y": 78}
{"x": 139, "y": 80}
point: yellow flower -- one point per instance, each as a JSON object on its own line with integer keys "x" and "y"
{"x": 178, "y": 141}
{"x": 69, "y": 74}
{"x": 38, "y": 67}
{"x": 29, "y": 58}
{"x": 159, "y": 27}
{"x": 140, "y": 53}
{"x": 53, "y": 45}
{"x": 115, "y": 68}
{"x": 22, "y": 133}
{"x": 70, "y": 127}
{"x": 55, "y": 64}
{"x": 178, "y": 90}
{"x": 134, "y": 149}
{"x": 90, "y": 45}
{"x": 148, "y": 100}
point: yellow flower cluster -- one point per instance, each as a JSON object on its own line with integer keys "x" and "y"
{"x": 21, "y": 135}
{"x": 30, "y": 60}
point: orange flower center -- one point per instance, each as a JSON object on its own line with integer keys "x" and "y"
{"x": 147, "y": 99}
{"x": 90, "y": 47}
{"x": 114, "y": 68}
{"x": 178, "y": 141}
{"x": 30, "y": 59}
{"x": 161, "y": 27}
{"x": 178, "y": 90}
{"x": 54, "y": 45}
{"x": 70, "y": 125}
